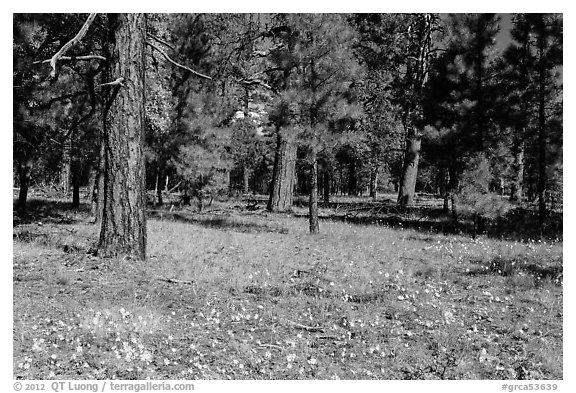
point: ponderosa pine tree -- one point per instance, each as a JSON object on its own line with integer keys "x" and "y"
{"x": 123, "y": 229}
{"x": 315, "y": 69}
{"x": 379, "y": 51}
{"x": 419, "y": 52}
{"x": 516, "y": 84}
{"x": 547, "y": 30}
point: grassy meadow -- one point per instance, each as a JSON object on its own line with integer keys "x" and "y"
{"x": 232, "y": 294}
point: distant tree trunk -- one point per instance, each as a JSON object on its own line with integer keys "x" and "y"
{"x": 200, "y": 198}
{"x": 283, "y": 175}
{"x": 313, "y": 200}
{"x": 340, "y": 179}
{"x": 123, "y": 229}
{"x": 245, "y": 179}
{"x": 75, "y": 190}
{"x": 326, "y": 185}
{"x": 92, "y": 174}
{"x": 518, "y": 176}
{"x": 159, "y": 176}
{"x": 410, "y": 170}
{"x": 65, "y": 170}
{"x": 373, "y": 182}
{"x": 24, "y": 169}
{"x": 444, "y": 189}
{"x": 92, "y": 192}
{"x": 453, "y": 189}
{"x": 98, "y": 206}
{"x": 352, "y": 181}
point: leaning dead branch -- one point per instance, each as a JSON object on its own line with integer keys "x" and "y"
{"x": 175, "y": 63}
{"x": 70, "y": 44}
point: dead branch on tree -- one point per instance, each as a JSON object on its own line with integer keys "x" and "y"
{"x": 117, "y": 82}
{"x": 70, "y": 44}
{"x": 175, "y": 63}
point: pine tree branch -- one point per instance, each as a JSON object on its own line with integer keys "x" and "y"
{"x": 175, "y": 63}
{"x": 70, "y": 44}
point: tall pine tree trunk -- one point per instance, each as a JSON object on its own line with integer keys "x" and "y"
{"x": 283, "y": 175}
{"x": 410, "y": 170}
{"x": 313, "y": 200}
{"x": 123, "y": 228}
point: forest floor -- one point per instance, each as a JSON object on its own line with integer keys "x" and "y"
{"x": 232, "y": 294}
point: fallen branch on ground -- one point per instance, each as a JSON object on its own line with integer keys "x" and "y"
{"x": 270, "y": 346}
{"x": 311, "y": 329}
{"x": 174, "y": 280}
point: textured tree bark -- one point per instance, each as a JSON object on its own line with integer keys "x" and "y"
{"x": 410, "y": 170}
{"x": 123, "y": 228}
{"x": 283, "y": 175}
{"x": 313, "y": 201}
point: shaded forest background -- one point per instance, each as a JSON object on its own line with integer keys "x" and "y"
{"x": 295, "y": 109}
